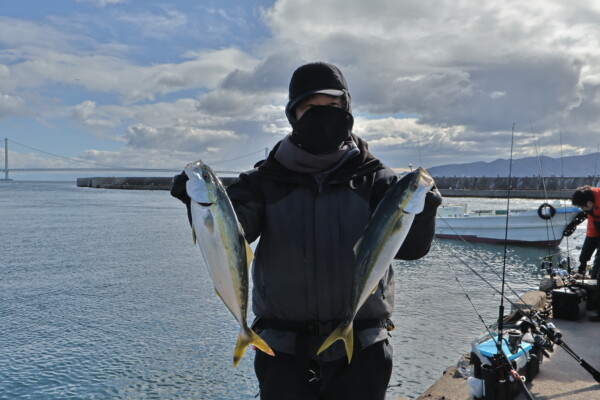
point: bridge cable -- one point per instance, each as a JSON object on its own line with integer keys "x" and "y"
{"x": 120, "y": 167}
{"x": 66, "y": 158}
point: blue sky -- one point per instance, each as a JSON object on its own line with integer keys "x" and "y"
{"x": 143, "y": 83}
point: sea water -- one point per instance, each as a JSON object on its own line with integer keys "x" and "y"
{"x": 103, "y": 295}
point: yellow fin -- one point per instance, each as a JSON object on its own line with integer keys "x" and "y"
{"x": 194, "y": 235}
{"x": 357, "y": 245}
{"x": 249, "y": 253}
{"x": 248, "y": 337}
{"x": 345, "y": 333}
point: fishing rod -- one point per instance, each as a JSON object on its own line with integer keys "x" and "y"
{"x": 535, "y": 322}
{"x": 562, "y": 167}
{"x": 505, "y": 362}
{"x": 500, "y": 355}
{"x": 507, "y": 365}
{"x": 549, "y": 221}
{"x": 596, "y": 164}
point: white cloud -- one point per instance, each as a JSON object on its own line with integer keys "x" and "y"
{"x": 103, "y": 3}
{"x": 496, "y": 94}
{"x": 112, "y": 74}
{"x": 11, "y": 106}
{"x": 156, "y": 25}
{"x": 465, "y": 71}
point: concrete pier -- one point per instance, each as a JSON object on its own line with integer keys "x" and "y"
{"x": 560, "y": 377}
{"x": 527, "y": 188}
{"x": 133, "y": 183}
{"x": 521, "y": 194}
{"x": 521, "y": 187}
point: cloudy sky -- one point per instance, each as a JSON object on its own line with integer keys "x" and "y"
{"x": 157, "y": 84}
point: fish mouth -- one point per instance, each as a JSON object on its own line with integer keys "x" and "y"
{"x": 204, "y": 204}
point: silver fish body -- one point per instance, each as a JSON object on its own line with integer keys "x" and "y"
{"x": 224, "y": 249}
{"x": 381, "y": 240}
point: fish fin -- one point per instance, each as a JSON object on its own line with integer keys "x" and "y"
{"x": 345, "y": 333}
{"x": 194, "y": 235}
{"x": 248, "y": 337}
{"x": 209, "y": 222}
{"x": 249, "y": 254}
{"x": 357, "y": 245}
{"x": 398, "y": 224}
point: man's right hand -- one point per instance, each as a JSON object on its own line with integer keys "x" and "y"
{"x": 570, "y": 228}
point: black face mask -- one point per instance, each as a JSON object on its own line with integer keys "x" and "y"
{"x": 322, "y": 129}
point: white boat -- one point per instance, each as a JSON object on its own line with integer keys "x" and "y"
{"x": 541, "y": 227}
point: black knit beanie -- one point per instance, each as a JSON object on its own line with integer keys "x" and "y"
{"x": 316, "y": 78}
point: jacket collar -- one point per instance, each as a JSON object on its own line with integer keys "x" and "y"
{"x": 362, "y": 164}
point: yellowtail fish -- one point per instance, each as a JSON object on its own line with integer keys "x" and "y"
{"x": 378, "y": 245}
{"x": 226, "y": 253}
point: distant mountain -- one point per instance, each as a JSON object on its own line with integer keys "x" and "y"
{"x": 573, "y": 166}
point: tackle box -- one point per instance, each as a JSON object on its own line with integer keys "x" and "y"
{"x": 569, "y": 302}
{"x": 591, "y": 288}
{"x": 489, "y": 348}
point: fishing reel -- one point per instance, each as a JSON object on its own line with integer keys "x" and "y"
{"x": 528, "y": 326}
{"x": 562, "y": 270}
{"x": 546, "y": 264}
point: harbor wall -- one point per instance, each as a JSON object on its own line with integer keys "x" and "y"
{"x": 522, "y": 187}
{"x": 133, "y": 183}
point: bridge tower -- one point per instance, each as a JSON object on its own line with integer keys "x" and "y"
{"x": 5, "y": 160}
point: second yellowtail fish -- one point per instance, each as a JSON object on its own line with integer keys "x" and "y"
{"x": 378, "y": 245}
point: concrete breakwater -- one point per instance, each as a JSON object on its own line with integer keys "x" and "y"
{"x": 133, "y": 183}
{"x": 518, "y": 183}
{"x": 522, "y": 187}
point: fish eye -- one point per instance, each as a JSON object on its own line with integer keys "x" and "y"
{"x": 205, "y": 176}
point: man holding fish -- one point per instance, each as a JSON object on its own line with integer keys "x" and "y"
{"x": 330, "y": 217}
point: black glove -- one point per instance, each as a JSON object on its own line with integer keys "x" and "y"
{"x": 433, "y": 199}
{"x": 178, "y": 190}
{"x": 570, "y": 228}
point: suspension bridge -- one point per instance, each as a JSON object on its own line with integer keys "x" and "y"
{"x": 90, "y": 166}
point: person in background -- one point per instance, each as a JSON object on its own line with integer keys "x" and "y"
{"x": 309, "y": 202}
{"x": 588, "y": 199}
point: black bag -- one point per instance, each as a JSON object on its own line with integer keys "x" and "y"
{"x": 497, "y": 385}
{"x": 569, "y": 303}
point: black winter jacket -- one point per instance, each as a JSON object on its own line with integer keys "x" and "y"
{"x": 308, "y": 226}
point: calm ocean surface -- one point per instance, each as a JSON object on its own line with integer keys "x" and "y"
{"x": 104, "y": 296}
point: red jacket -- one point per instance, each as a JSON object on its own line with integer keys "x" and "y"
{"x": 593, "y": 226}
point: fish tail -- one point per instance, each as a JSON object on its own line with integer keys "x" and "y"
{"x": 248, "y": 337}
{"x": 345, "y": 333}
